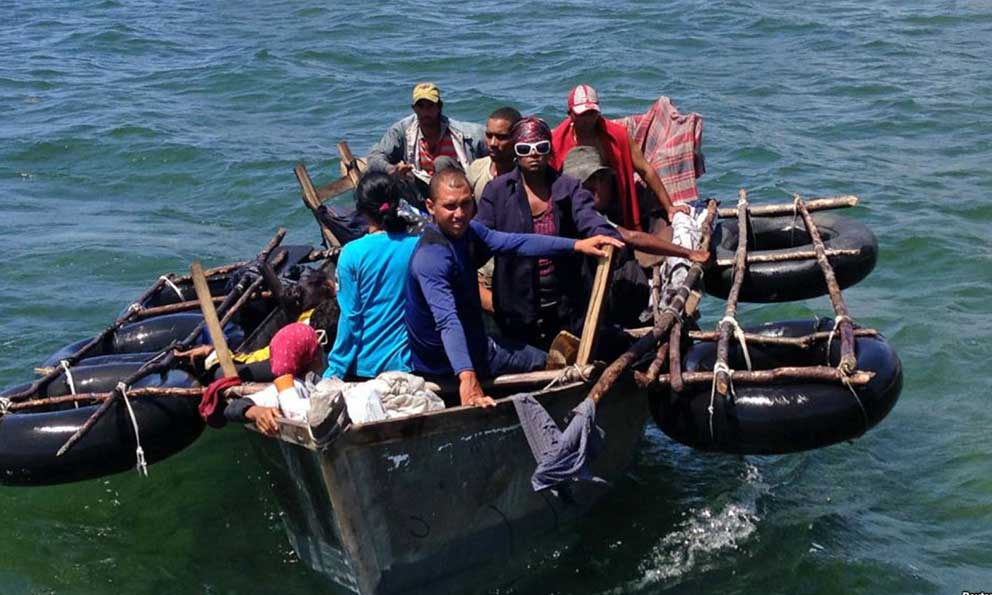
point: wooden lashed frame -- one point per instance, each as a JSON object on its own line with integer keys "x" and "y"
{"x": 250, "y": 287}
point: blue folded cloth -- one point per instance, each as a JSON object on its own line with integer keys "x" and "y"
{"x": 562, "y": 456}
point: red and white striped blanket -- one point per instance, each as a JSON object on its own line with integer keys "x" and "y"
{"x": 671, "y": 143}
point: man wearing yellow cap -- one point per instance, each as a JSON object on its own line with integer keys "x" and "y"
{"x": 427, "y": 140}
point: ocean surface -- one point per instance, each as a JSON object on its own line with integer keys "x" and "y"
{"x": 136, "y": 137}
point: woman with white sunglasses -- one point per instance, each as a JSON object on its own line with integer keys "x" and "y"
{"x": 534, "y": 298}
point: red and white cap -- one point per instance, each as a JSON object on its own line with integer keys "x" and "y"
{"x": 582, "y": 99}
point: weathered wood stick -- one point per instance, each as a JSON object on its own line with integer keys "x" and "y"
{"x": 612, "y": 372}
{"x": 213, "y": 323}
{"x": 213, "y": 272}
{"x": 803, "y": 342}
{"x": 647, "y": 378}
{"x": 243, "y": 298}
{"x": 247, "y": 294}
{"x": 161, "y": 362}
{"x": 674, "y": 357}
{"x": 316, "y": 255}
{"x": 229, "y": 268}
{"x": 335, "y": 188}
{"x": 726, "y": 325}
{"x": 272, "y": 280}
{"x": 242, "y": 292}
{"x": 188, "y": 393}
{"x": 815, "y": 204}
{"x": 848, "y": 360}
{"x": 165, "y": 358}
{"x": 349, "y": 163}
{"x": 822, "y": 373}
{"x": 54, "y": 372}
{"x": 185, "y": 306}
{"x": 263, "y": 256}
{"x": 567, "y": 375}
{"x": 312, "y": 202}
{"x": 656, "y": 296}
{"x": 788, "y": 256}
{"x": 600, "y": 288}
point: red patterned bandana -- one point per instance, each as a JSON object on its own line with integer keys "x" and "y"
{"x": 293, "y": 349}
{"x": 530, "y": 130}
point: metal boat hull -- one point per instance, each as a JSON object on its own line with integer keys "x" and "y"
{"x": 438, "y": 503}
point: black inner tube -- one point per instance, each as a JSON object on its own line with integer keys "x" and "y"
{"x": 782, "y": 417}
{"x": 796, "y": 279}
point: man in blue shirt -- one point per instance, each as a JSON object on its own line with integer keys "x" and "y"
{"x": 443, "y": 310}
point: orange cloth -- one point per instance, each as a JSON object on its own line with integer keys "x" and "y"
{"x": 614, "y": 137}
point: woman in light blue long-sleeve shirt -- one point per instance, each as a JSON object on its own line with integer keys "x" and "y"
{"x": 372, "y": 271}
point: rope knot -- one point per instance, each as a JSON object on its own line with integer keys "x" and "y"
{"x": 719, "y": 367}
{"x": 739, "y": 335}
{"x": 4, "y": 406}
{"x": 142, "y": 465}
{"x": 830, "y": 338}
{"x": 568, "y": 373}
{"x": 722, "y": 367}
{"x": 673, "y": 311}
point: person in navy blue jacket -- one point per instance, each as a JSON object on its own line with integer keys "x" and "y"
{"x": 534, "y": 298}
{"x": 443, "y": 310}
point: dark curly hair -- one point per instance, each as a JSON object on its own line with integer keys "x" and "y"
{"x": 377, "y": 197}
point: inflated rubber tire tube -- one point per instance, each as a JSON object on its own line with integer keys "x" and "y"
{"x": 781, "y": 418}
{"x": 29, "y": 440}
{"x": 797, "y": 279}
{"x": 151, "y": 335}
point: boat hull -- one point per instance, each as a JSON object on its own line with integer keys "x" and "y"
{"x": 438, "y": 503}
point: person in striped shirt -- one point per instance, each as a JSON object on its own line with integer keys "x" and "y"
{"x": 427, "y": 141}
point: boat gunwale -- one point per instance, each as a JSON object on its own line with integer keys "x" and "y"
{"x": 463, "y": 418}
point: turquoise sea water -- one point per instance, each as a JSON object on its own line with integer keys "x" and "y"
{"x": 136, "y": 137}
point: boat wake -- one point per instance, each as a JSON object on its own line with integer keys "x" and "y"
{"x": 698, "y": 543}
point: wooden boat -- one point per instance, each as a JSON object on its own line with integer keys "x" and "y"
{"x": 440, "y": 502}
{"x": 443, "y": 502}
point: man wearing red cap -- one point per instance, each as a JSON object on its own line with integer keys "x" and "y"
{"x": 585, "y": 126}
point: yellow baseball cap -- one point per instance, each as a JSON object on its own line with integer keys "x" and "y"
{"x": 428, "y": 91}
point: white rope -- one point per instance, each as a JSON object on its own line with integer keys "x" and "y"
{"x": 739, "y": 334}
{"x": 176, "y": 289}
{"x": 830, "y": 337}
{"x": 139, "y": 452}
{"x": 68, "y": 377}
{"x": 864, "y": 413}
{"x": 565, "y": 374}
{"x": 719, "y": 367}
{"x": 4, "y": 406}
